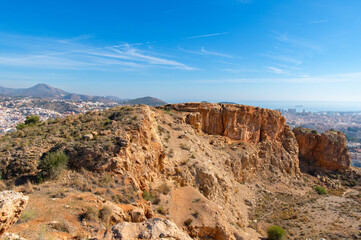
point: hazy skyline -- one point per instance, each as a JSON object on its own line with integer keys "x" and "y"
{"x": 185, "y": 50}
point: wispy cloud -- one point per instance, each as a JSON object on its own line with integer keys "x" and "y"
{"x": 283, "y": 58}
{"x": 202, "y": 51}
{"x": 330, "y": 78}
{"x": 295, "y": 41}
{"x": 318, "y": 21}
{"x": 70, "y": 54}
{"x": 215, "y": 53}
{"x": 276, "y": 70}
{"x": 207, "y": 35}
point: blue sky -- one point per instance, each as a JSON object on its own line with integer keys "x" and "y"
{"x": 215, "y": 50}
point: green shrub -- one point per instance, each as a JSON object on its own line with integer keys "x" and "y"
{"x": 275, "y": 233}
{"x": 52, "y": 164}
{"x": 320, "y": 190}
{"x": 32, "y": 120}
{"x": 20, "y": 126}
{"x": 161, "y": 210}
{"x": 148, "y": 196}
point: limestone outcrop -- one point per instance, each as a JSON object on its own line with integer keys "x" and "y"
{"x": 326, "y": 151}
{"x": 155, "y": 228}
{"x": 269, "y": 140}
{"x": 12, "y": 205}
{"x": 238, "y": 122}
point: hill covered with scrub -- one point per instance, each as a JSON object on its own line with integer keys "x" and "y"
{"x": 182, "y": 171}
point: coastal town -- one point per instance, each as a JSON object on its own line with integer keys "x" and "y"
{"x": 14, "y": 110}
{"x": 347, "y": 122}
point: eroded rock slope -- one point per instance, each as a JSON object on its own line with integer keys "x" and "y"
{"x": 326, "y": 151}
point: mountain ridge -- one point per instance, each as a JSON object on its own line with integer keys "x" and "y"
{"x": 45, "y": 91}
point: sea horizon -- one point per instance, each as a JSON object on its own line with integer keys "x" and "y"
{"x": 308, "y": 106}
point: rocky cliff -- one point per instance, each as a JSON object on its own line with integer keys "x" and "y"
{"x": 238, "y": 122}
{"x": 202, "y": 166}
{"x": 326, "y": 151}
{"x": 265, "y": 131}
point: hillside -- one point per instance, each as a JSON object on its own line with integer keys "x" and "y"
{"x": 215, "y": 171}
{"x": 39, "y": 90}
{"x": 150, "y": 101}
{"x": 45, "y": 91}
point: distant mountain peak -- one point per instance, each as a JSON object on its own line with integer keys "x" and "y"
{"x": 42, "y": 85}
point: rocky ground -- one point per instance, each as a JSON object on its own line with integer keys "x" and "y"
{"x": 214, "y": 171}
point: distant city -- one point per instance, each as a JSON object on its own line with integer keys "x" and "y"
{"x": 347, "y": 122}
{"x": 14, "y": 110}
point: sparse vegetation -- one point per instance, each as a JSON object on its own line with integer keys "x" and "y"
{"x": 91, "y": 214}
{"x": 52, "y": 164}
{"x": 105, "y": 215}
{"x": 148, "y": 196}
{"x": 27, "y": 215}
{"x": 314, "y": 131}
{"x": 62, "y": 226}
{"x": 275, "y": 233}
{"x": 30, "y": 121}
{"x": 184, "y": 147}
{"x": 164, "y": 189}
{"x": 320, "y": 190}
{"x": 171, "y": 153}
{"x": 161, "y": 210}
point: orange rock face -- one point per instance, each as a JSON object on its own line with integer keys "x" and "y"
{"x": 238, "y": 122}
{"x": 327, "y": 151}
{"x": 271, "y": 141}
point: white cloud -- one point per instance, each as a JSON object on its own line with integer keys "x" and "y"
{"x": 318, "y": 21}
{"x": 295, "y": 41}
{"x": 207, "y": 35}
{"x": 276, "y": 70}
{"x": 215, "y": 53}
{"x": 70, "y": 54}
{"x": 354, "y": 77}
{"x": 283, "y": 58}
{"x": 206, "y": 52}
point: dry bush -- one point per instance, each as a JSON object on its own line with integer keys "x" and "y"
{"x": 105, "y": 214}
{"x": 62, "y": 226}
{"x": 91, "y": 214}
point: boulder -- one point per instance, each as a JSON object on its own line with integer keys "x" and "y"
{"x": 154, "y": 228}
{"x": 137, "y": 215}
{"x": 12, "y": 205}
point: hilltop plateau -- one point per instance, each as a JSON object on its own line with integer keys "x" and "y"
{"x": 180, "y": 171}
